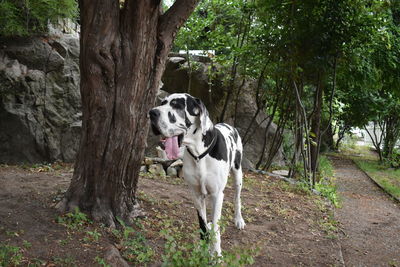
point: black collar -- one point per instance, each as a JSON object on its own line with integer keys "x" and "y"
{"x": 213, "y": 142}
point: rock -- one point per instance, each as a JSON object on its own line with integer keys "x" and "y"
{"x": 157, "y": 169}
{"x": 148, "y": 161}
{"x": 177, "y": 163}
{"x": 114, "y": 258}
{"x": 176, "y": 60}
{"x": 171, "y": 171}
{"x": 247, "y": 164}
{"x": 281, "y": 172}
{"x": 143, "y": 168}
{"x": 40, "y": 106}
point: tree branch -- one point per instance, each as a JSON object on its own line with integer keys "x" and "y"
{"x": 175, "y": 16}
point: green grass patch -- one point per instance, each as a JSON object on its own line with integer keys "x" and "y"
{"x": 326, "y": 184}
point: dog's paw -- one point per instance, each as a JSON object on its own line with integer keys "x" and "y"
{"x": 239, "y": 223}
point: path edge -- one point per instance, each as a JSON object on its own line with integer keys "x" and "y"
{"x": 394, "y": 198}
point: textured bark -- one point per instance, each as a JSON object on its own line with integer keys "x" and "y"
{"x": 123, "y": 54}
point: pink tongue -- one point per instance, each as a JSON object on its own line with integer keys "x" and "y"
{"x": 172, "y": 147}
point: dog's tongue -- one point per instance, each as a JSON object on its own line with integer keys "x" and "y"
{"x": 172, "y": 147}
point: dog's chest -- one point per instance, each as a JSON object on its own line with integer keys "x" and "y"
{"x": 205, "y": 176}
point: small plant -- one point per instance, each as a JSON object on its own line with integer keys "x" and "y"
{"x": 329, "y": 225}
{"x": 134, "y": 244}
{"x": 10, "y": 255}
{"x": 328, "y": 190}
{"x": 92, "y": 236}
{"x": 181, "y": 253}
{"x": 101, "y": 261}
{"x": 73, "y": 220}
{"x": 27, "y": 244}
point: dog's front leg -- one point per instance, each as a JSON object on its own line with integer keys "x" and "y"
{"x": 200, "y": 205}
{"x": 217, "y": 200}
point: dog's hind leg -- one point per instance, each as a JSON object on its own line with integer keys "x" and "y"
{"x": 238, "y": 180}
{"x": 217, "y": 200}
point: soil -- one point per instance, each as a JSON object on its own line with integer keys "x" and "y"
{"x": 288, "y": 226}
{"x": 370, "y": 219}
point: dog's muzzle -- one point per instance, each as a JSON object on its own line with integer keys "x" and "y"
{"x": 154, "y": 115}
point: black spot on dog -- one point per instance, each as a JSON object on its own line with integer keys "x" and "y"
{"x": 235, "y": 135}
{"x": 171, "y": 117}
{"x": 238, "y": 159}
{"x": 177, "y": 103}
{"x": 187, "y": 122}
{"x": 164, "y": 102}
{"x": 203, "y": 233}
{"x": 192, "y": 105}
{"x": 208, "y": 137}
{"x": 219, "y": 151}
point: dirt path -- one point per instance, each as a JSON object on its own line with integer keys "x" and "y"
{"x": 369, "y": 218}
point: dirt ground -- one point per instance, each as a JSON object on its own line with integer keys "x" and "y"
{"x": 288, "y": 226}
{"x": 370, "y": 220}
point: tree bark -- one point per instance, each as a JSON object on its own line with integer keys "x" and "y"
{"x": 122, "y": 57}
{"x": 316, "y": 131}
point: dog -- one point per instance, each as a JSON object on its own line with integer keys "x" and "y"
{"x": 211, "y": 152}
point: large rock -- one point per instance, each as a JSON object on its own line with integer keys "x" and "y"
{"x": 40, "y": 108}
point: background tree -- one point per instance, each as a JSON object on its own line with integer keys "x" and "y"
{"x": 124, "y": 45}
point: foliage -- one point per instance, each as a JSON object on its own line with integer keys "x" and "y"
{"x": 134, "y": 244}
{"x": 179, "y": 253}
{"x": 101, "y": 262}
{"x": 394, "y": 160}
{"x": 74, "y": 220}
{"x": 345, "y": 51}
{"x": 10, "y": 255}
{"x": 27, "y": 17}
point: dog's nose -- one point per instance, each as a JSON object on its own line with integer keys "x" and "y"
{"x": 154, "y": 114}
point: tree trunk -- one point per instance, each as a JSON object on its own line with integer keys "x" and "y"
{"x": 122, "y": 57}
{"x": 316, "y": 131}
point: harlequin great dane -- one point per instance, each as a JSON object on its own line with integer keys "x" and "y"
{"x": 211, "y": 152}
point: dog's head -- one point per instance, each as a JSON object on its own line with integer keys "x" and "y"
{"x": 178, "y": 115}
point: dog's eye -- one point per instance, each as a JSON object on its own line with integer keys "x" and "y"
{"x": 164, "y": 102}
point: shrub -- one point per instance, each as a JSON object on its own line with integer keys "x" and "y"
{"x": 26, "y": 17}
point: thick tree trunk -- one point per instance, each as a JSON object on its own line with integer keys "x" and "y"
{"x": 123, "y": 54}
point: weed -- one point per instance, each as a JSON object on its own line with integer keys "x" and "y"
{"x": 134, "y": 244}
{"x": 101, "y": 262}
{"x": 26, "y": 244}
{"x": 10, "y": 255}
{"x": 329, "y": 225}
{"x": 92, "y": 236}
{"x": 328, "y": 189}
{"x": 179, "y": 252}
{"x": 73, "y": 220}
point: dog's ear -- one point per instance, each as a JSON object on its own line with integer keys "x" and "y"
{"x": 203, "y": 115}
